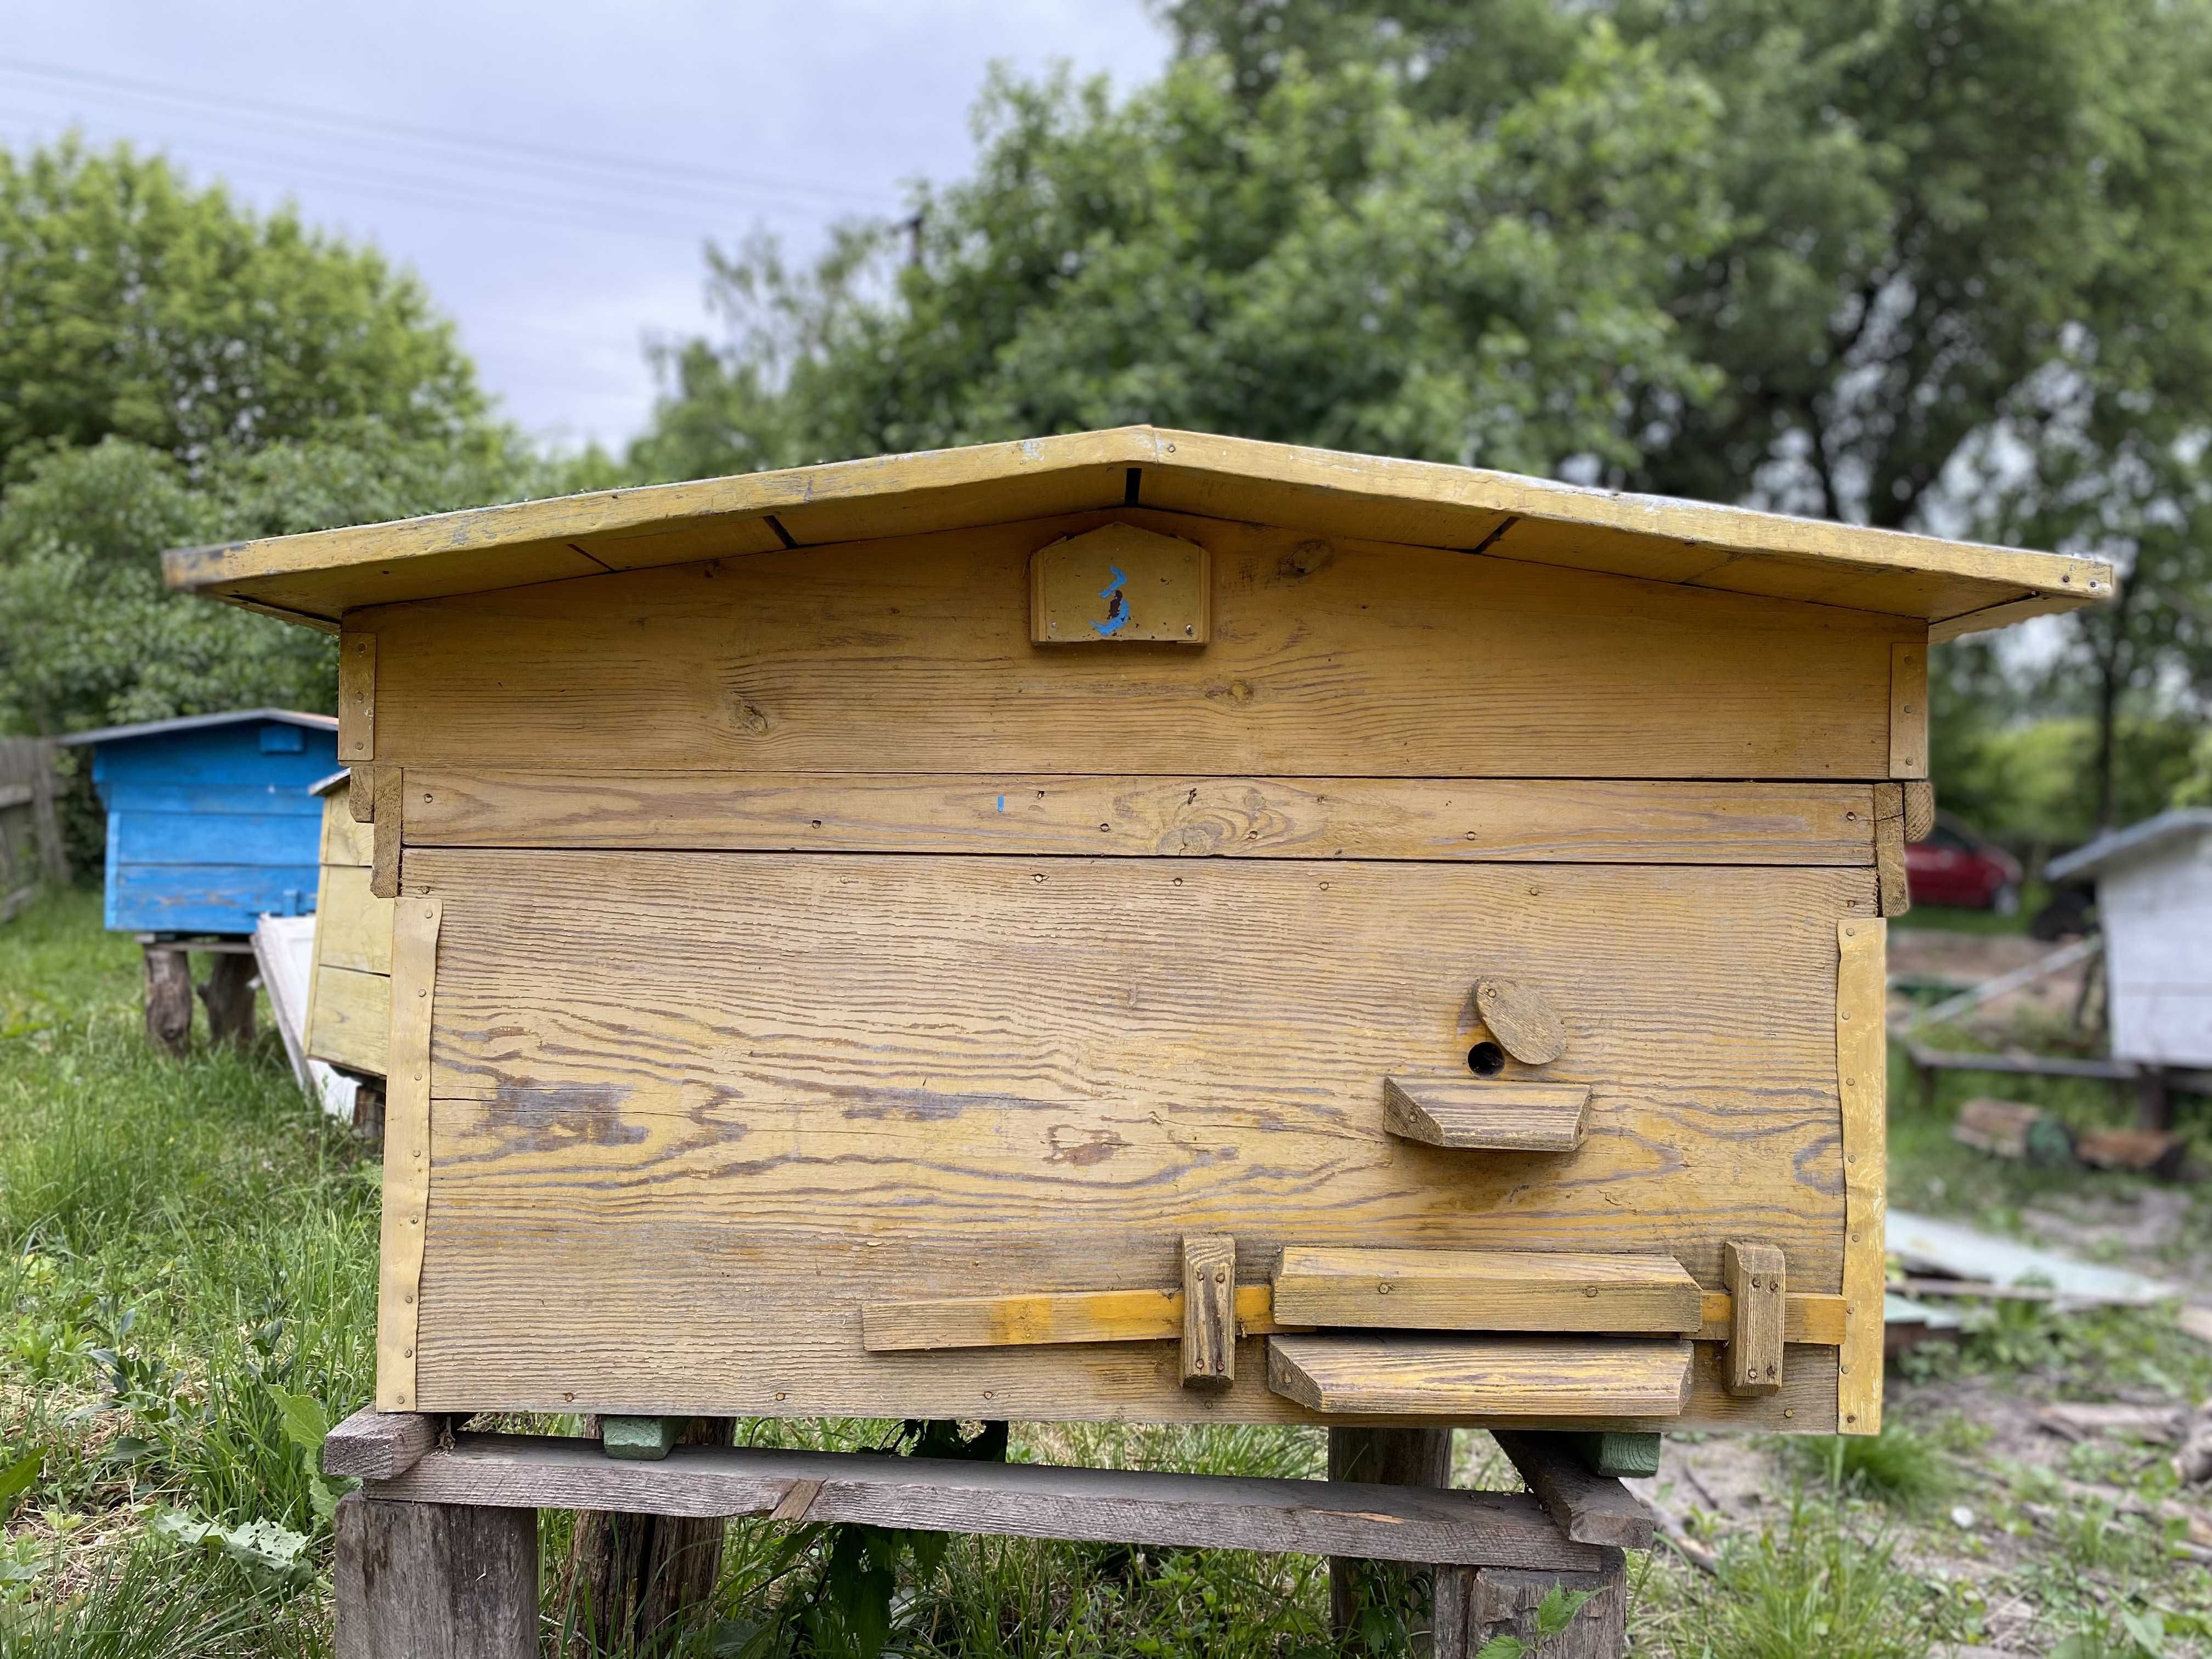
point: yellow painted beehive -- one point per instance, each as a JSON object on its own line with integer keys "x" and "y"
{"x": 1137, "y": 925}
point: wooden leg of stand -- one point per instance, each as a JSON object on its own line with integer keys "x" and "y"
{"x": 368, "y": 1114}
{"x": 168, "y": 999}
{"x": 435, "y": 1581}
{"x": 2154, "y": 1102}
{"x": 633, "y": 1576}
{"x": 228, "y": 994}
{"x": 1389, "y": 1457}
{"x": 1476, "y": 1605}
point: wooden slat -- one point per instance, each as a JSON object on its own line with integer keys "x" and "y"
{"x": 1012, "y": 1500}
{"x": 1209, "y": 1311}
{"x": 374, "y": 1445}
{"x": 347, "y": 1018}
{"x": 1758, "y": 1279}
{"x": 356, "y": 698}
{"x": 1490, "y": 821}
{"x": 1486, "y": 1114}
{"x": 1816, "y": 1320}
{"x": 1919, "y": 810}
{"x": 1590, "y": 1508}
{"x": 353, "y": 926}
{"x": 346, "y": 839}
{"x": 913, "y": 656}
{"x": 1889, "y": 848}
{"x": 384, "y": 844}
{"x": 1861, "y": 1068}
{"x": 361, "y": 793}
{"x": 1486, "y": 1291}
{"x": 1045, "y": 1318}
{"x": 1908, "y": 710}
{"x": 713, "y": 1105}
{"x": 406, "y": 1152}
{"x": 1481, "y": 1376}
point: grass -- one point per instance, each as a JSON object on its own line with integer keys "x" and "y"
{"x": 187, "y": 1263}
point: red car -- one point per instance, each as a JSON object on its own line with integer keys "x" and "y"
{"x": 1956, "y": 867}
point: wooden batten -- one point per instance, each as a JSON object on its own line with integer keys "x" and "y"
{"x": 390, "y": 810}
{"x": 1486, "y": 1291}
{"x": 1919, "y": 810}
{"x": 1757, "y": 1278}
{"x": 356, "y": 698}
{"x": 1862, "y": 1076}
{"x": 1467, "y": 1376}
{"x": 1812, "y": 1321}
{"x": 1474, "y": 1114}
{"x": 1908, "y": 711}
{"x": 361, "y": 793}
{"x": 1046, "y": 1318}
{"x": 1209, "y": 1311}
{"x": 1889, "y": 838}
{"x": 406, "y": 1152}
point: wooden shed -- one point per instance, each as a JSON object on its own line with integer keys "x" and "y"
{"x": 350, "y": 989}
{"x": 1137, "y": 925}
{"x": 209, "y": 825}
{"x": 2154, "y": 903}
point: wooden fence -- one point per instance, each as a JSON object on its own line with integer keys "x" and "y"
{"x": 30, "y": 832}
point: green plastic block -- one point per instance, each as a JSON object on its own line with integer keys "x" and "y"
{"x": 641, "y": 1439}
{"x": 1617, "y": 1454}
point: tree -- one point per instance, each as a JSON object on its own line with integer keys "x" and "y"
{"x": 1319, "y": 263}
{"x": 135, "y": 307}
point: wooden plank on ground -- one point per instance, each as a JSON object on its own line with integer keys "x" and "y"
{"x": 1590, "y": 1508}
{"x": 1485, "y": 1291}
{"x": 1486, "y": 822}
{"x": 1015, "y": 1500}
{"x": 1501, "y": 1114}
{"x": 1481, "y": 1376}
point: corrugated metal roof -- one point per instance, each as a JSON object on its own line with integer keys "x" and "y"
{"x": 2133, "y": 841}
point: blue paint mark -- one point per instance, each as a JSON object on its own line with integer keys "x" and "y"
{"x": 1002, "y": 803}
{"x": 1117, "y": 608}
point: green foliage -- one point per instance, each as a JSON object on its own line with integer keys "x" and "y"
{"x": 133, "y": 305}
{"x": 1320, "y": 265}
{"x": 1553, "y": 1614}
{"x": 1813, "y": 1586}
{"x": 1898, "y": 1466}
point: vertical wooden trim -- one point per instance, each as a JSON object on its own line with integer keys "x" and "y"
{"x": 1908, "y": 711}
{"x": 1894, "y": 889}
{"x": 384, "y": 845}
{"x": 1209, "y": 1311}
{"x": 361, "y": 793}
{"x": 1861, "y": 1081}
{"x": 357, "y": 698}
{"x": 1756, "y": 1275}
{"x": 407, "y": 1150}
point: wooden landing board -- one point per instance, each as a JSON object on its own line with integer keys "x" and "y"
{"x": 1010, "y": 1500}
{"x": 1486, "y": 1291}
{"x": 695, "y": 1111}
{"x": 1514, "y": 819}
{"x": 1345, "y": 659}
{"x": 1481, "y": 1376}
{"x": 1471, "y": 1114}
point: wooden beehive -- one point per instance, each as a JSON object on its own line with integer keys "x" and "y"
{"x": 349, "y": 989}
{"x": 1137, "y": 925}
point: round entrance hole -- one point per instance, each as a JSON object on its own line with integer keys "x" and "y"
{"x": 1486, "y": 1060}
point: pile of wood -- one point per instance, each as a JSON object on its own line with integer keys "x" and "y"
{"x": 2014, "y": 1129}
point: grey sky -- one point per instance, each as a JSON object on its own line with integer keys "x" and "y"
{"x": 556, "y": 266}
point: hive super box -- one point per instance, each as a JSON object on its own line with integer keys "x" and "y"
{"x": 1137, "y": 925}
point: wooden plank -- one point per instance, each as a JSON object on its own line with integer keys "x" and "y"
{"x": 1485, "y": 1291}
{"x": 1816, "y": 1320}
{"x": 1481, "y": 1376}
{"x": 1119, "y": 584}
{"x": 1012, "y": 1500}
{"x": 354, "y": 927}
{"x": 438, "y": 1580}
{"x": 357, "y": 698}
{"x": 348, "y": 1019}
{"x": 1504, "y": 819}
{"x": 884, "y": 1080}
{"x": 374, "y": 1445}
{"x": 1209, "y": 1311}
{"x": 1919, "y": 810}
{"x": 361, "y": 793}
{"x": 1889, "y": 849}
{"x": 407, "y": 1116}
{"x": 384, "y": 850}
{"x": 1523, "y": 1019}
{"x": 1502, "y": 1610}
{"x": 346, "y": 839}
{"x": 913, "y": 656}
{"x": 1908, "y": 711}
{"x": 1862, "y": 1071}
{"x": 1046, "y": 1318}
{"x": 1757, "y": 1278}
{"x": 1507, "y": 1114}
{"x": 1590, "y": 1508}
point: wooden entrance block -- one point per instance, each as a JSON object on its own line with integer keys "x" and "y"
{"x": 1755, "y": 1275}
{"x": 1486, "y": 1291}
{"x": 1547, "y": 1379}
{"x": 1209, "y": 1311}
{"x": 1481, "y": 1114}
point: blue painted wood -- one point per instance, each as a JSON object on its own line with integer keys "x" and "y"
{"x": 211, "y": 827}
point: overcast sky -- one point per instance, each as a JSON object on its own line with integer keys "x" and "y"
{"x": 552, "y": 169}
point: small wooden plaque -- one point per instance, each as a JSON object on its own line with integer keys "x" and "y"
{"x": 1119, "y": 584}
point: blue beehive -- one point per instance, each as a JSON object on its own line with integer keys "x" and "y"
{"x": 210, "y": 823}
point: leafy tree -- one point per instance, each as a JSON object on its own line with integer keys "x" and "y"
{"x": 135, "y": 307}
{"x": 1318, "y": 264}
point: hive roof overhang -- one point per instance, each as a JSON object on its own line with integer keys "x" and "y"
{"x": 1957, "y": 587}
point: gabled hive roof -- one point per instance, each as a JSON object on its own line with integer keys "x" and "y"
{"x": 1958, "y": 588}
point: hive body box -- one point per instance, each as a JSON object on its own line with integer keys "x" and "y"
{"x": 1137, "y": 925}
{"x": 350, "y": 994}
{"x": 209, "y": 826}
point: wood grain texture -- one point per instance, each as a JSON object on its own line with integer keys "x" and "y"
{"x": 361, "y": 793}
{"x": 886, "y": 1079}
{"x": 1889, "y": 849}
{"x": 913, "y": 656}
{"x": 433, "y": 1581}
{"x": 1209, "y": 1311}
{"x": 1919, "y": 810}
{"x": 1040, "y": 1318}
{"x": 1908, "y": 710}
{"x": 357, "y": 698}
{"x": 1010, "y": 1500}
{"x": 1479, "y": 1376}
{"x": 1485, "y": 1291}
{"x": 384, "y": 844}
{"x": 1511, "y": 819}
{"x": 349, "y": 1020}
{"x": 407, "y": 1131}
{"x": 1119, "y": 584}
{"x": 1815, "y": 1320}
{"x": 1523, "y": 1019}
{"x": 1590, "y": 1509}
{"x": 1482, "y": 1608}
{"x": 346, "y": 839}
{"x": 353, "y": 926}
{"x": 1862, "y": 1070}
{"x": 1474, "y": 1114}
{"x": 374, "y": 1445}
{"x": 1757, "y": 1276}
